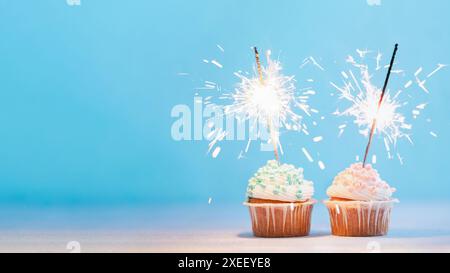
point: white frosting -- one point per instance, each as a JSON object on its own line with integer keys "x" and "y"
{"x": 280, "y": 182}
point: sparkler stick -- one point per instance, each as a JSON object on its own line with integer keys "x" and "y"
{"x": 374, "y": 123}
{"x": 258, "y": 65}
{"x": 269, "y": 121}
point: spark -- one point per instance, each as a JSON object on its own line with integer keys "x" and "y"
{"x": 216, "y": 152}
{"x": 362, "y": 53}
{"x": 316, "y": 63}
{"x": 378, "y": 59}
{"x": 210, "y": 135}
{"x": 433, "y": 134}
{"x": 308, "y": 156}
{"x": 317, "y": 138}
{"x": 248, "y": 145}
{"x": 398, "y": 71}
{"x": 313, "y": 61}
{"x": 218, "y": 136}
{"x": 440, "y": 66}
{"x": 408, "y": 84}
{"x": 209, "y": 200}
{"x": 386, "y": 144}
{"x": 340, "y": 127}
{"x": 216, "y": 63}
{"x": 220, "y": 48}
{"x": 418, "y": 71}
{"x": 321, "y": 165}
{"x": 421, "y": 106}
{"x": 422, "y": 86}
{"x": 400, "y": 159}
{"x": 309, "y": 92}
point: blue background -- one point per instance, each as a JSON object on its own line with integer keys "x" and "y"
{"x": 86, "y": 94}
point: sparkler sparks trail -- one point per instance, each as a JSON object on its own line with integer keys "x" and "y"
{"x": 307, "y": 155}
{"x": 313, "y": 61}
{"x": 216, "y": 63}
{"x": 374, "y": 110}
{"x": 321, "y": 165}
{"x": 262, "y": 104}
{"x": 440, "y": 66}
{"x": 216, "y": 152}
{"x": 268, "y": 98}
{"x": 220, "y": 48}
{"x": 317, "y": 138}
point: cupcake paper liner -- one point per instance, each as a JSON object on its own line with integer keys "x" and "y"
{"x": 360, "y": 218}
{"x": 281, "y": 219}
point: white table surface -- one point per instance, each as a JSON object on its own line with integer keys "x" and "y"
{"x": 415, "y": 227}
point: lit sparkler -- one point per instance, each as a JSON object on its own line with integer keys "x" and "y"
{"x": 268, "y": 98}
{"x": 383, "y": 91}
{"x": 374, "y": 110}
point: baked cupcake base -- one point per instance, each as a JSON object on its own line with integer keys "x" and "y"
{"x": 359, "y": 218}
{"x": 280, "y": 219}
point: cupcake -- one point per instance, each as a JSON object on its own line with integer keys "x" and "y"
{"x": 360, "y": 202}
{"x": 280, "y": 201}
